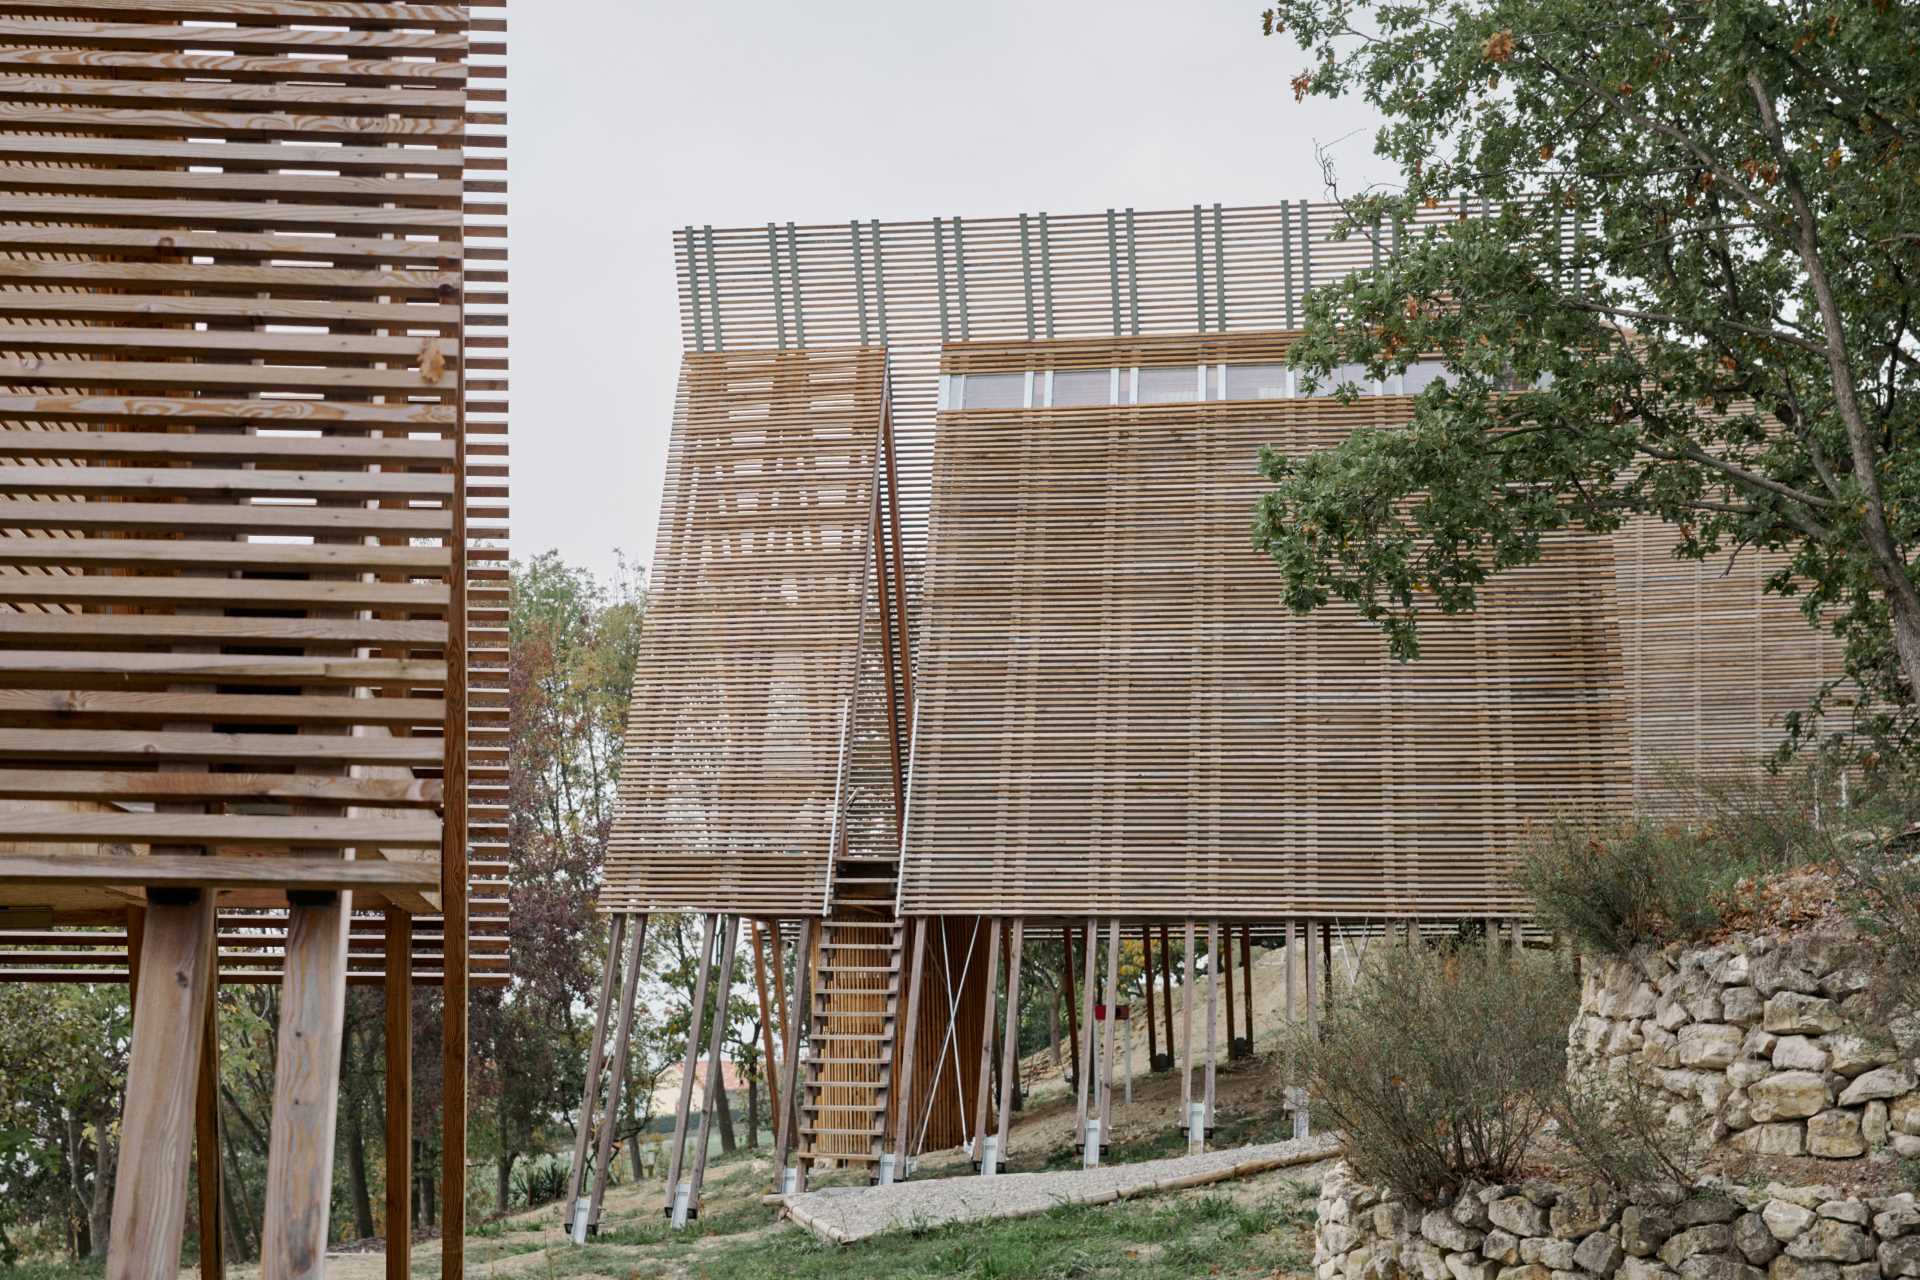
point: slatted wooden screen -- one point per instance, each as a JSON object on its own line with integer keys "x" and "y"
{"x": 743, "y": 717}
{"x": 1713, "y": 664}
{"x": 252, "y": 396}
{"x": 916, "y": 285}
{"x": 1119, "y": 717}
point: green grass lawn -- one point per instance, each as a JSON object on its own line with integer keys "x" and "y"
{"x": 1211, "y": 1235}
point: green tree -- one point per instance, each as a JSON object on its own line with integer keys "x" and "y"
{"x": 575, "y": 640}
{"x": 1725, "y": 343}
{"x": 65, "y": 1050}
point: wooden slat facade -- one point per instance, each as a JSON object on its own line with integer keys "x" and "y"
{"x": 734, "y": 783}
{"x": 253, "y": 459}
{"x": 1118, "y": 717}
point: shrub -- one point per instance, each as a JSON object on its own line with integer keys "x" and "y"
{"x": 541, "y": 1180}
{"x": 1614, "y": 1127}
{"x": 1615, "y": 885}
{"x": 1441, "y": 1065}
{"x": 1612, "y": 886}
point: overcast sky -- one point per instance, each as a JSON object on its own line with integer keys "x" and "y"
{"x": 633, "y": 117}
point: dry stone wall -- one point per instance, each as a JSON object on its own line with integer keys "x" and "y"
{"x": 1760, "y": 1040}
{"x": 1765, "y": 1045}
{"x": 1544, "y": 1231}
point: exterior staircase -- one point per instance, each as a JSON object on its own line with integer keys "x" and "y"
{"x": 847, "y": 1090}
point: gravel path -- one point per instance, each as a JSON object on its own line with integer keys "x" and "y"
{"x": 847, "y": 1214}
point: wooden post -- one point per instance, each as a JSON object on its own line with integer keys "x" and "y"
{"x": 306, "y": 1088}
{"x": 766, "y": 1021}
{"x": 136, "y": 936}
{"x": 1231, "y": 1015}
{"x": 1086, "y": 1059}
{"x": 596, "y": 1065}
{"x": 617, "y": 1069}
{"x": 979, "y": 1144}
{"x": 453, "y": 863}
{"x": 775, "y": 945}
{"x": 1292, "y": 1010}
{"x": 729, "y": 944}
{"x": 1106, "y": 1037}
{"x": 796, "y": 1030}
{"x": 399, "y": 1045}
{"x": 1309, "y": 982}
{"x": 695, "y": 1018}
{"x": 150, "y": 1192}
{"x": 1166, "y": 985}
{"x": 206, "y": 1130}
{"x": 1186, "y": 1031}
{"x": 1246, "y": 976}
{"x": 1010, "y": 1061}
{"x": 1146, "y": 988}
{"x": 903, "y": 1104}
{"x": 1213, "y": 1005}
{"x": 1326, "y": 957}
{"x": 1072, "y": 1000}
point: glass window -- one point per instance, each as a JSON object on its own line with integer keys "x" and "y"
{"x": 1421, "y": 373}
{"x": 1343, "y": 374}
{"x": 994, "y": 391}
{"x": 1257, "y": 382}
{"x": 1177, "y": 385}
{"x": 1081, "y": 387}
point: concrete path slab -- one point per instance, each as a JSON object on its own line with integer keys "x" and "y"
{"x": 846, "y": 1214}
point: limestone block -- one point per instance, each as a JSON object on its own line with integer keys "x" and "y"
{"x": 1670, "y": 1014}
{"x": 1717, "y": 1266}
{"x": 1896, "y": 1220}
{"x": 1794, "y": 1013}
{"x": 1900, "y": 1257}
{"x": 1845, "y": 1211}
{"x": 1772, "y": 1140}
{"x": 1776, "y": 971}
{"x": 1785, "y": 1219}
{"x": 1749, "y": 1071}
{"x": 1465, "y": 1266}
{"x": 1836, "y": 1135}
{"x": 1882, "y": 1082}
{"x": 1530, "y": 1271}
{"x": 1754, "y": 1240}
{"x": 1740, "y": 1005}
{"x": 1441, "y": 1228}
{"x": 1788, "y": 1095}
{"x": 1713, "y": 1237}
{"x": 1873, "y": 1124}
{"x": 1787, "y": 1267}
{"x": 1519, "y": 1215}
{"x": 1830, "y": 1241}
{"x": 1851, "y": 1054}
{"x": 1599, "y": 1254}
{"x": 1709, "y": 1044}
{"x": 1580, "y": 1212}
{"x": 1643, "y": 1229}
{"x": 1501, "y": 1246}
{"x": 1643, "y": 1269}
{"x": 1799, "y": 1053}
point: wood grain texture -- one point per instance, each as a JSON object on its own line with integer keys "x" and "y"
{"x": 253, "y": 418}
{"x": 306, "y": 1091}
{"x": 157, "y": 1127}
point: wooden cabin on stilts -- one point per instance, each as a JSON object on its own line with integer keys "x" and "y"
{"x": 959, "y": 643}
